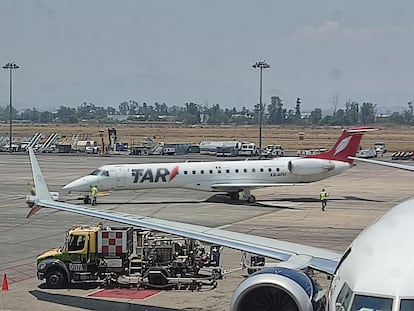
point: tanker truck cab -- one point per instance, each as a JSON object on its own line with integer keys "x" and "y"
{"x": 75, "y": 262}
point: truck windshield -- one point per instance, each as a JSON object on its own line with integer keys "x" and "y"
{"x": 76, "y": 243}
{"x": 371, "y": 303}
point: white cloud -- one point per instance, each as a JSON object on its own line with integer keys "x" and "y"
{"x": 323, "y": 32}
{"x": 333, "y": 29}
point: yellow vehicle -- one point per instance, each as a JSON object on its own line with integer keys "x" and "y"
{"x": 129, "y": 256}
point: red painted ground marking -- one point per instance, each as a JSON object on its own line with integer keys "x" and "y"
{"x": 14, "y": 272}
{"x": 22, "y": 265}
{"x": 21, "y": 272}
{"x": 125, "y": 293}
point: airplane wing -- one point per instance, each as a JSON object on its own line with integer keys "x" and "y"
{"x": 237, "y": 186}
{"x": 294, "y": 255}
{"x": 395, "y": 165}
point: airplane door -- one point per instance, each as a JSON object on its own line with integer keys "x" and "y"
{"x": 120, "y": 176}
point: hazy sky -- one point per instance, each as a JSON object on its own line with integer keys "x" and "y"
{"x": 107, "y": 52}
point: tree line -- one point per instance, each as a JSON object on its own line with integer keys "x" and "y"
{"x": 191, "y": 113}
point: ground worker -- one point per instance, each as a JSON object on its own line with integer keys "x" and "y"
{"x": 323, "y": 197}
{"x": 94, "y": 191}
{"x": 33, "y": 191}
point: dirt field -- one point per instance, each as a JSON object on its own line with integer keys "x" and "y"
{"x": 397, "y": 138}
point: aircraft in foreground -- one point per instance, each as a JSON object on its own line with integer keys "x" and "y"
{"x": 374, "y": 273}
{"x": 232, "y": 177}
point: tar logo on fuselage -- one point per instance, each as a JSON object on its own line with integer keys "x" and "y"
{"x": 153, "y": 175}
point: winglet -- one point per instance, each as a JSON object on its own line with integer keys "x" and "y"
{"x": 42, "y": 192}
{"x": 346, "y": 146}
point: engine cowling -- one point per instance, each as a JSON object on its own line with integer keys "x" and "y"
{"x": 278, "y": 289}
{"x": 310, "y": 166}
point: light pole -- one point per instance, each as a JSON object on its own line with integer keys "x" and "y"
{"x": 11, "y": 67}
{"x": 261, "y": 65}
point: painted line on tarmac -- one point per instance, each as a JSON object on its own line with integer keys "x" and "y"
{"x": 15, "y": 273}
{"x": 17, "y": 204}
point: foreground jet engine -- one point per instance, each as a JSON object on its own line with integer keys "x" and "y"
{"x": 279, "y": 289}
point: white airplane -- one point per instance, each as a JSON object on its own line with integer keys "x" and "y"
{"x": 232, "y": 177}
{"x": 374, "y": 273}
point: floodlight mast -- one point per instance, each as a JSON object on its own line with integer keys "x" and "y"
{"x": 261, "y": 65}
{"x": 11, "y": 67}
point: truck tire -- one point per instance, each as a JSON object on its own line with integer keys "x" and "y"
{"x": 55, "y": 279}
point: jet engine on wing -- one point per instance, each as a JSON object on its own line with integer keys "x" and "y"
{"x": 279, "y": 289}
{"x": 310, "y": 166}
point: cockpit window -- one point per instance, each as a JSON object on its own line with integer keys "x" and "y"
{"x": 99, "y": 172}
{"x": 371, "y": 303}
{"x": 344, "y": 297}
{"x": 96, "y": 172}
{"x": 407, "y": 304}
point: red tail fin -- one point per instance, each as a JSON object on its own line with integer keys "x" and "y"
{"x": 346, "y": 146}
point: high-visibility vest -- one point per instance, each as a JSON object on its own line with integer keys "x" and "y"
{"x": 323, "y": 195}
{"x": 94, "y": 190}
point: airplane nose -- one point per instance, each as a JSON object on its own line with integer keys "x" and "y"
{"x": 81, "y": 184}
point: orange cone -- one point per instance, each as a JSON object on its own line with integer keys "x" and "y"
{"x": 5, "y": 285}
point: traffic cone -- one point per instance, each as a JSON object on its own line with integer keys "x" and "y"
{"x": 5, "y": 284}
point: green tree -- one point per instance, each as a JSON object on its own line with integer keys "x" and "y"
{"x": 352, "y": 112}
{"x": 46, "y": 117}
{"x": 133, "y": 108}
{"x": 408, "y": 114}
{"x": 87, "y": 111}
{"x": 5, "y": 113}
{"x": 123, "y": 108}
{"x": 315, "y": 116}
{"x": 291, "y": 117}
{"x": 396, "y": 117}
{"x": 217, "y": 115}
{"x": 298, "y": 114}
{"x": 67, "y": 115}
{"x": 277, "y": 114}
{"x": 368, "y": 113}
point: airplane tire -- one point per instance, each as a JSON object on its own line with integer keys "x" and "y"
{"x": 251, "y": 199}
{"x": 87, "y": 200}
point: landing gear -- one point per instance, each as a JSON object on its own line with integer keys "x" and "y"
{"x": 251, "y": 199}
{"x": 248, "y": 196}
{"x": 87, "y": 199}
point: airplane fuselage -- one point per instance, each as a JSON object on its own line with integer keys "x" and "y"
{"x": 209, "y": 176}
{"x": 376, "y": 271}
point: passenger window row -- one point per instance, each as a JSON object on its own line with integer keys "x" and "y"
{"x": 227, "y": 171}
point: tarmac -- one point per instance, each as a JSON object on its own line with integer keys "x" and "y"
{"x": 292, "y": 213}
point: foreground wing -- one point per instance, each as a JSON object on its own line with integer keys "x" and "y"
{"x": 395, "y": 165}
{"x": 299, "y": 256}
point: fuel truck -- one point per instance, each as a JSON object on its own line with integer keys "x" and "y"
{"x": 128, "y": 256}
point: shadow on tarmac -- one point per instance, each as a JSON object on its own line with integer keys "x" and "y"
{"x": 313, "y": 199}
{"x": 92, "y": 303}
{"x": 223, "y": 198}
